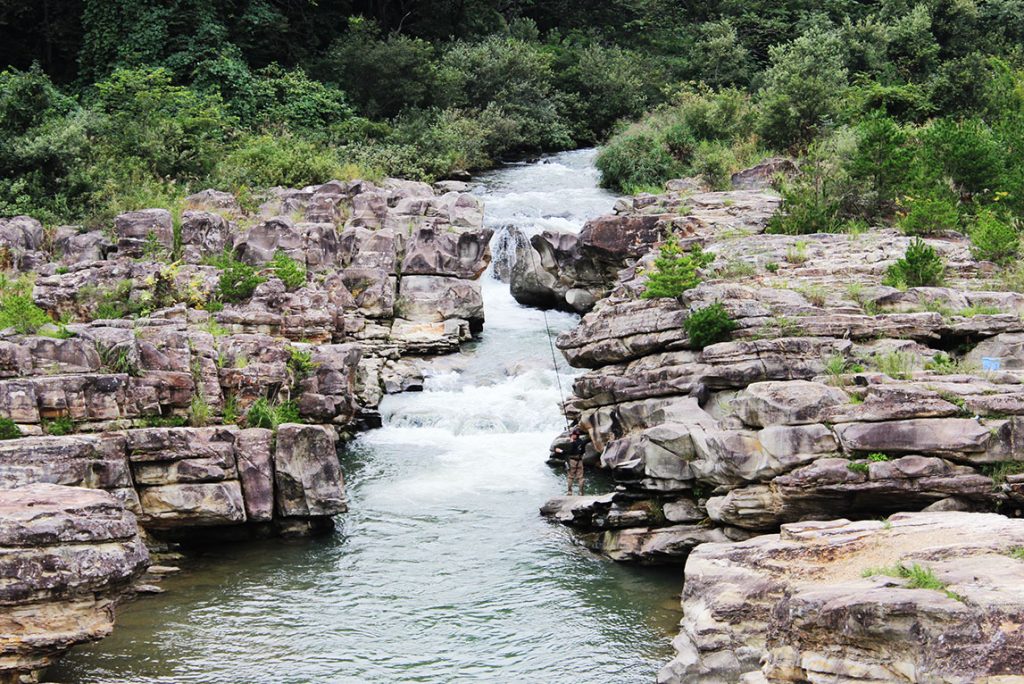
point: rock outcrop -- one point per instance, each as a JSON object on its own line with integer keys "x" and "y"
{"x": 66, "y": 555}
{"x": 921, "y": 597}
{"x": 835, "y": 396}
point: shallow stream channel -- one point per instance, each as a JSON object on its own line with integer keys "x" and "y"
{"x": 442, "y": 570}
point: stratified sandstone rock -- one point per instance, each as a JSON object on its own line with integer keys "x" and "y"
{"x": 815, "y": 604}
{"x": 135, "y": 230}
{"x": 307, "y": 474}
{"x": 65, "y": 555}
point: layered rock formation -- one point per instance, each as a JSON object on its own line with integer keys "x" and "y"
{"x": 166, "y": 399}
{"x": 835, "y": 397}
{"x": 66, "y": 554}
{"x": 921, "y": 597}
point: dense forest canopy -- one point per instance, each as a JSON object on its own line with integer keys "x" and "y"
{"x": 898, "y": 109}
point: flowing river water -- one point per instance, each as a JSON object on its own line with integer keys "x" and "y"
{"x": 442, "y": 570}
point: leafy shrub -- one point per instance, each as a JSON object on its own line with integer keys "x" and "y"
{"x": 8, "y": 428}
{"x": 18, "y": 311}
{"x": 301, "y": 362}
{"x": 993, "y": 239}
{"x": 266, "y": 414}
{"x": 17, "y": 308}
{"x": 709, "y": 325}
{"x": 925, "y": 215}
{"x": 266, "y": 160}
{"x": 697, "y": 132}
{"x": 676, "y": 271}
{"x": 858, "y": 467}
{"x": 636, "y": 159}
{"x": 921, "y": 266}
{"x": 291, "y": 273}
{"x": 878, "y": 457}
{"x": 238, "y": 279}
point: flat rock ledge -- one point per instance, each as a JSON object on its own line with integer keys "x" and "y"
{"x": 66, "y": 554}
{"x": 827, "y": 602}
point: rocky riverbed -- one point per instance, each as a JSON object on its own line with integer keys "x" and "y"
{"x": 837, "y": 398}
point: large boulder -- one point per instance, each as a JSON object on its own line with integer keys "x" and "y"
{"x": 66, "y": 554}
{"x": 307, "y": 473}
{"x": 137, "y": 231}
{"x": 203, "y": 234}
{"x": 831, "y": 601}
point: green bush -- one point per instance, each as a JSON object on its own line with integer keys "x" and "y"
{"x": 9, "y": 429}
{"x": 636, "y": 159}
{"x": 17, "y": 309}
{"x": 676, "y": 271}
{"x": 921, "y": 266}
{"x": 993, "y": 239}
{"x": 709, "y": 325}
{"x": 238, "y": 279}
{"x": 290, "y": 272}
{"x": 926, "y": 215}
{"x": 697, "y": 132}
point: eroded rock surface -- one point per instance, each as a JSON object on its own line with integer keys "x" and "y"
{"x": 66, "y": 553}
{"x": 825, "y": 601}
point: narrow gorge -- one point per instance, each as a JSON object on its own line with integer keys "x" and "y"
{"x": 337, "y": 477}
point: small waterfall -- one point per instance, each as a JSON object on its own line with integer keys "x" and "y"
{"x": 504, "y": 246}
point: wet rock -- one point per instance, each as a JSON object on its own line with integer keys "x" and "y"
{"x": 65, "y": 556}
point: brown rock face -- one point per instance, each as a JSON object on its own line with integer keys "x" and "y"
{"x": 307, "y": 473}
{"x": 65, "y": 554}
{"x": 835, "y": 601}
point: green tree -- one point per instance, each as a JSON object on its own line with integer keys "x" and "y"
{"x": 676, "y": 271}
{"x": 880, "y": 160}
{"x": 803, "y": 88}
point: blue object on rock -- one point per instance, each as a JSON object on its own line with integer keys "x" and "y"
{"x": 990, "y": 364}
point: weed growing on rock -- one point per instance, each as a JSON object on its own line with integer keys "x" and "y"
{"x": 288, "y": 270}
{"x": 815, "y": 294}
{"x": 9, "y": 429}
{"x": 797, "y": 252}
{"x": 118, "y": 359}
{"x": 1017, "y": 553}
{"x": 199, "y": 411}
{"x": 266, "y": 414}
{"x": 921, "y": 266}
{"x": 917, "y": 576}
{"x": 59, "y": 426}
{"x": 230, "y": 411}
{"x": 858, "y": 467}
{"x": 301, "y": 363}
{"x": 897, "y": 365}
{"x": 878, "y": 457}
{"x": 709, "y": 325}
{"x": 1000, "y": 471}
{"x": 736, "y": 269}
{"x": 943, "y": 364}
{"x": 771, "y": 267}
{"x": 676, "y": 271}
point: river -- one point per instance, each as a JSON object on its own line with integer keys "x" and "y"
{"x": 442, "y": 571}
